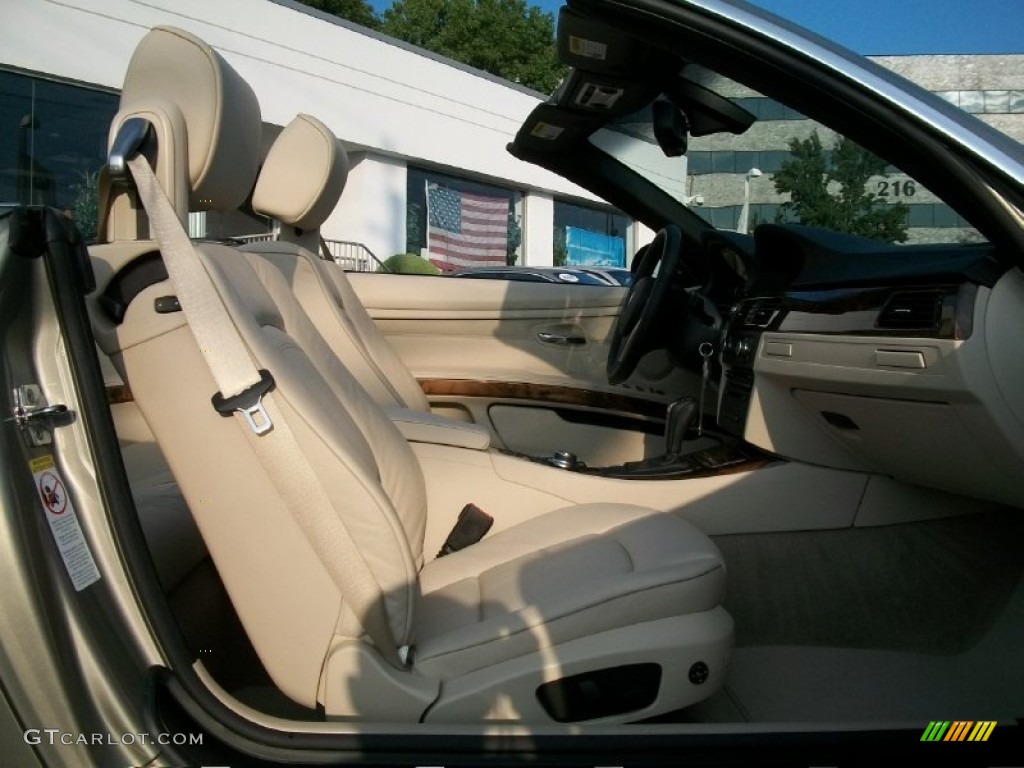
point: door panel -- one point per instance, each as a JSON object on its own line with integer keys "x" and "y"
{"x": 477, "y": 344}
{"x": 498, "y": 330}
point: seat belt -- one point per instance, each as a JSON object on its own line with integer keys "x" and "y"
{"x": 246, "y": 391}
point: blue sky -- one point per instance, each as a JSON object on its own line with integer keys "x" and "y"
{"x": 898, "y": 26}
{"x": 911, "y": 26}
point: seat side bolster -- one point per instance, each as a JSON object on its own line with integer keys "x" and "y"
{"x": 535, "y": 628}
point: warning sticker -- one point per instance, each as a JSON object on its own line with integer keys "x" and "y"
{"x": 547, "y": 131}
{"x": 590, "y": 49}
{"x": 60, "y": 514}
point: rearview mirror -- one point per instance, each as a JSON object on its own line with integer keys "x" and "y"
{"x": 671, "y": 128}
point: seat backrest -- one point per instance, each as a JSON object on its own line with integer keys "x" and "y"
{"x": 299, "y": 185}
{"x": 291, "y": 609}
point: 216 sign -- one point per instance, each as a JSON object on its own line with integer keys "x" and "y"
{"x": 897, "y": 188}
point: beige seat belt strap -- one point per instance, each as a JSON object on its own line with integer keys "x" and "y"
{"x": 245, "y": 390}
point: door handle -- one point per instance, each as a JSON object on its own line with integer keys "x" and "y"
{"x": 556, "y": 338}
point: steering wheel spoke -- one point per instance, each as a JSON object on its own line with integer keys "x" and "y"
{"x": 633, "y": 335}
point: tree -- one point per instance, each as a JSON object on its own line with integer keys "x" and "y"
{"x": 85, "y": 209}
{"x": 504, "y": 37}
{"x": 358, "y": 11}
{"x": 515, "y": 238}
{"x": 829, "y": 189}
{"x": 408, "y": 264}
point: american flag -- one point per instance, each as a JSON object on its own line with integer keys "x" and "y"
{"x": 464, "y": 229}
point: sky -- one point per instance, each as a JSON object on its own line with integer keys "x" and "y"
{"x": 903, "y": 26}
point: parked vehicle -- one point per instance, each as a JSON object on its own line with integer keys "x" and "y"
{"x": 764, "y": 505}
{"x": 568, "y": 275}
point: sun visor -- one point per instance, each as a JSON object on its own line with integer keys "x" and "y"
{"x": 592, "y": 46}
{"x": 548, "y": 129}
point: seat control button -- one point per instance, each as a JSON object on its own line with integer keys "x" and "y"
{"x": 564, "y": 460}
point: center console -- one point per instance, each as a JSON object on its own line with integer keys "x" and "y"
{"x": 722, "y": 453}
{"x": 739, "y": 349}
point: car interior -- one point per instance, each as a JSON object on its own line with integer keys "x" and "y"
{"x": 772, "y": 476}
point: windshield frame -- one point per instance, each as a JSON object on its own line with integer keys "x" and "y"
{"x": 945, "y": 149}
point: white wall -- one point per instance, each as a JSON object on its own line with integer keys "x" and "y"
{"x": 642, "y": 235}
{"x": 647, "y": 159}
{"x": 371, "y": 93}
{"x": 538, "y": 245}
{"x": 372, "y": 208}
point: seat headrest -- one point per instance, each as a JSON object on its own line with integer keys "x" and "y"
{"x": 174, "y": 69}
{"x": 303, "y": 175}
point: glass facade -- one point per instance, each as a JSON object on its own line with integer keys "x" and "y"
{"x": 735, "y": 161}
{"x": 977, "y": 102}
{"x": 455, "y": 222}
{"x": 53, "y": 140}
{"x": 921, "y": 215}
{"x": 986, "y": 102}
{"x": 765, "y": 109}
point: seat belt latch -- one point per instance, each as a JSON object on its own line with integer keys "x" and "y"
{"x": 249, "y": 403}
{"x": 472, "y": 525}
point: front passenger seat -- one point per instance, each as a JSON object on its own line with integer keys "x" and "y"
{"x": 597, "y": 612}
{"x": 299, "y": 185}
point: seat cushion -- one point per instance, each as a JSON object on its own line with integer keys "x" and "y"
{"x": 570, "y": 573}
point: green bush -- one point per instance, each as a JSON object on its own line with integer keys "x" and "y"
{"x": 408, "y": 264}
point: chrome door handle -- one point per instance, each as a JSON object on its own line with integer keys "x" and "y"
{"x": 554, "y": 338}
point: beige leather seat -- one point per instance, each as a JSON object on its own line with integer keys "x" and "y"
{"x": 299, "y": 185}
{"x": 599, "y": 612}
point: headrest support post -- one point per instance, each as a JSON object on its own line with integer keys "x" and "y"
{"x": 127, "y": 143}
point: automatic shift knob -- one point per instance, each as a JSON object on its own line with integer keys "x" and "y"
{"x": 678, "y": 418}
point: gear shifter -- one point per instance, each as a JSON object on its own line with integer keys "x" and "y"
{"x": 678, "y": 419}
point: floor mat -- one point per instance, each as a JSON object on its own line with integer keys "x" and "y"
{"x": 934, "y": 587}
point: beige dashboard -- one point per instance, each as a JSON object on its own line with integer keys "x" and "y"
{"x": 945, "y": 413}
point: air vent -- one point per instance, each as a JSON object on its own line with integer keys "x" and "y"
{"x": 761, "y": 313}
{"x": 912, "y": 310}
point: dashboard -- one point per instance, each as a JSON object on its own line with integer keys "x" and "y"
{"x": 904, "y": 361}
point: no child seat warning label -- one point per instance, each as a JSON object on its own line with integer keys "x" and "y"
{"x": 60, "y": 514}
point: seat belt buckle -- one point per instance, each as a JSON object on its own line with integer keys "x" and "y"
{"x": 472, "y": 525}
{"x": 249, "y": 403}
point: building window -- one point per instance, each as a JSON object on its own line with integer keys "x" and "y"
{"x": 589, "y": 236}
{"x": 731, "y": 161}
{"x": 997, "y": 102}
{"x": 455, "y": 223}
{"x": 765, "y": 109}
{"x": 53, "y": 142}
{"x": 986, "y": 102}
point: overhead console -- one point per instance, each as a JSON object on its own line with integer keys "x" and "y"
{"x": 895, "y": 375}
{"x": 614, "y": 76}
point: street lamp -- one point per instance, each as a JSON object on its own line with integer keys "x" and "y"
{"x": 744, "y": 223}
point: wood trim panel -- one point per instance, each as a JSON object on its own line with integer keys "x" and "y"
{"x": 545, "y": 393}
{"x": 119, "y": 393}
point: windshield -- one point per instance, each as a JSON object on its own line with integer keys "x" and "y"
{"x": 784, "y": 168}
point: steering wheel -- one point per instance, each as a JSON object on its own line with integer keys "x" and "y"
{"x": 633, "y": 335}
